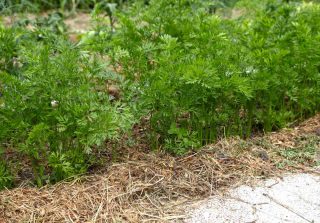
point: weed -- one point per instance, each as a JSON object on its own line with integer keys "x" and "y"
{"x": 304, "y": 153}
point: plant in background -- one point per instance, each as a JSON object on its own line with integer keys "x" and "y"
{"x": 12, "y": 6}
{"x": 8, "y": 49}
{"x": 107, "y": 8}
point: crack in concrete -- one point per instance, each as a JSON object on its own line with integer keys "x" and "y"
{"x": 293, "y": 198}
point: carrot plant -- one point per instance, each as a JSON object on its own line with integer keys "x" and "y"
{"x": 199, "y": 77}
{"x": 55, "y": 109}
{"x": 193, "y": 75}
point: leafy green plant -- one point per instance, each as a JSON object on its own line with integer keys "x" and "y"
{"x": 182, "y": 140}
{"x": 193, "y": 75}
{"x": 57, "y": 109}
{"x": 216, "y": 77}
{"x": 8, "y": 49}
{"x": 36, "y": 149}
{"x": 305, "y": 153}
{"x": 6, "y": 179}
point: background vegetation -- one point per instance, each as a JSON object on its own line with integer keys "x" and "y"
{"x": 192, "y": 69}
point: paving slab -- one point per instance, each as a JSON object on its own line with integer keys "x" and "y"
{"x": 294, "y": 198}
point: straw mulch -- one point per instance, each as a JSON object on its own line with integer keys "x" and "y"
{"x": 156, "y": 187}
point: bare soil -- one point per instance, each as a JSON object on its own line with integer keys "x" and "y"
{"x": 77, "y": 23}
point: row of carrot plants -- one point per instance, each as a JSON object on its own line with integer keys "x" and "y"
{"x": 194, "y": 74}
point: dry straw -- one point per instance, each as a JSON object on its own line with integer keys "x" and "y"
{"x": 148, "y": 187}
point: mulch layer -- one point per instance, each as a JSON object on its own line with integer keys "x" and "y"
{"x": 157, "y": 187}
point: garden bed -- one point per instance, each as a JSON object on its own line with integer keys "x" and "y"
{"x": 132, "y": 112}
{"x": 144, "y": 187}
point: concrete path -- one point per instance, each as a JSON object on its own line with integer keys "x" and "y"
{"x": 294, "y": 199}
